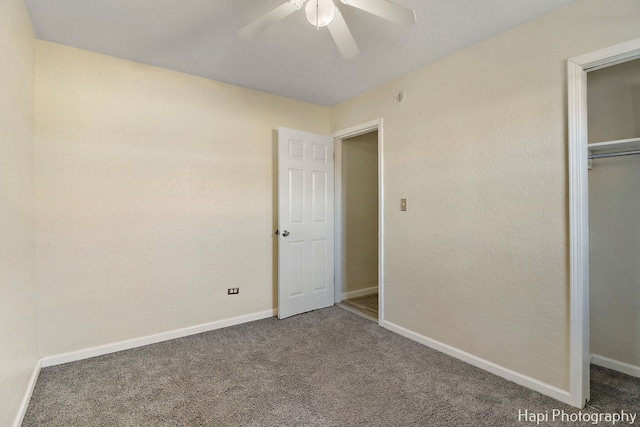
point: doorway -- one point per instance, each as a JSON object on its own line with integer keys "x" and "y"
{"x": 613, "y": 108}
{"x": 359, "y": 219}
{"x": 359, "y": 193}
{"x": 579, "y": 151}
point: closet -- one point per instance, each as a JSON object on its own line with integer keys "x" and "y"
{"x": 614, "y": 213}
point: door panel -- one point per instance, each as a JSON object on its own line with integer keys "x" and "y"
{"x": 296, "y": 268}
{"x": 319, "y": 196}
{"x": 319, "y": 264}
{"x": 305, "y": 221}
{"x": 296, "y": 195}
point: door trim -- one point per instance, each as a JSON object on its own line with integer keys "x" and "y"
{"x": 338, "y": 136}
{"x": 577, "y": 69}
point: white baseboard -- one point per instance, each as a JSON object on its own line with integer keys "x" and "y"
{"x": 22, "y": 410}
{"x": 625, "y": 368}
{"x": 360, "y": 292}
{"x": 152, "y": 339}
{"x": 501, "y": 371}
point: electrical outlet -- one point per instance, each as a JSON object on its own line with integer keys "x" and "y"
{"x": 233, "y": 291}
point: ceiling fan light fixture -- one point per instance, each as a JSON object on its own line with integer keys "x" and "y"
{"x": 320, "y": 13}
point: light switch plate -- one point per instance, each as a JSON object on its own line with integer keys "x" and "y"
{"x": 403, "y": 205}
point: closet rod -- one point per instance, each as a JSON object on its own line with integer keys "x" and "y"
{"x": 605, "y": 155}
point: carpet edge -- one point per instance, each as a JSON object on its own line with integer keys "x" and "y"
{"x": 101, "y": 350}
{"x": 616, "y": 365}
{"x": 513, "y": 376}
{"x": 31, "y": 385}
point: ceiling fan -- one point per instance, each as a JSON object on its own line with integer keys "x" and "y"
{"x": 324, "y": 13}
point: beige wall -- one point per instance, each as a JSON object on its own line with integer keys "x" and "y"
{"x": 614, "y": 209}
{"x": 360, "y": 210}
{"x": 155, "y": 193}
{"x": 18, "y": 319}
{"x": 480, "y": 260}
{"x": 613, "y": 95}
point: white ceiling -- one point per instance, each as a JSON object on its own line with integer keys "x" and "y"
{"x": 290, "y": 58}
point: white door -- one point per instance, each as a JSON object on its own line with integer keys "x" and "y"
{"x": 305, "y": 222}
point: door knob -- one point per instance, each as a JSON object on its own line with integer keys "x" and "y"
{"x": 285, "y": 233}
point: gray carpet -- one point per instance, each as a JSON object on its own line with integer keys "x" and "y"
{"x": 324, "y": 368}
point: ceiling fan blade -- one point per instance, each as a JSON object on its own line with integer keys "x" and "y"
{"x": 265, "y": 21}
{"x": 342, "y": 36}
{"x": 385, "y": 9}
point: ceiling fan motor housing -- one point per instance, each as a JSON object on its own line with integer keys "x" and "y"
{"x": 320, "y": 12}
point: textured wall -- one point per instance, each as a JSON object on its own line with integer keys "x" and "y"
{"x": 480, "y": 260}
{"x": 613, "y": 94}
{"x": 18, "y": 319}
{"x": 614, "y": 209}
{"x": 154, "y": 194}
{"x": 360, "y": 210}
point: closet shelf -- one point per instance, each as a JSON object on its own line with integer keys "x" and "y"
{"x": 615, "y": 146}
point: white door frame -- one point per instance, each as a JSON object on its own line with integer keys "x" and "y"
{"x": 360, "y": 129}
{"x": 577, "y": 68}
